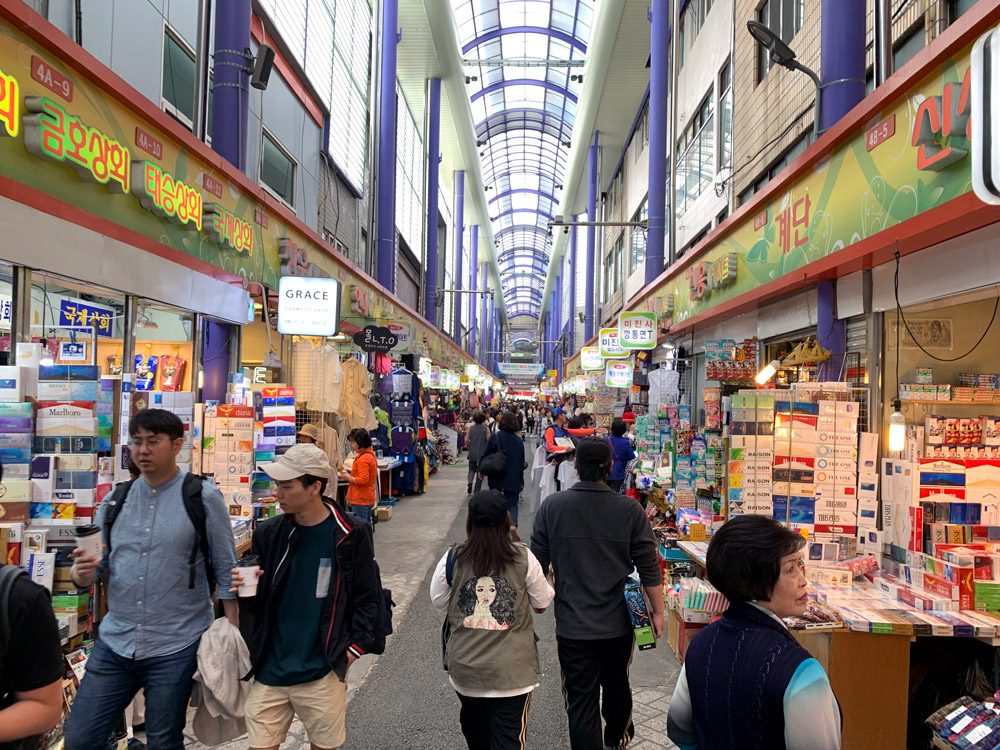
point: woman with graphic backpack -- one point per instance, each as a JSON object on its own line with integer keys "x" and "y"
{"x": 487, "y": 587}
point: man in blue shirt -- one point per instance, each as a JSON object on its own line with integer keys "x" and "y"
{"x": 159, "y": 600}
{"x": 315, "y": 605}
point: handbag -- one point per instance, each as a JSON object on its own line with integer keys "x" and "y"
{"x": 493, "y": 465}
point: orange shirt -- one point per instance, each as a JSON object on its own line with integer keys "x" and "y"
{"x": 364, "y": 472}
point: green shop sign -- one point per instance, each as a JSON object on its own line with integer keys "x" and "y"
{"x": 913, "y": 158}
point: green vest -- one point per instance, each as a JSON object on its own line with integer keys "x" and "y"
{"x": 492, "y": 642}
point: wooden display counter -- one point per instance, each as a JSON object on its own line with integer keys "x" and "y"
{"x": 870, "y": 675}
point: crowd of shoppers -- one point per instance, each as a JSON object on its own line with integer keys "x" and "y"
{"x": 312, "y": 590}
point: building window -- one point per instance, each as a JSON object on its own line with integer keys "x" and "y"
{"x": 695, "y": 14}
{"x": 905, "y": 49}
{"x": 725, "y": 90}
{"x": 696, "y": 160}
{"x": 177, "y": 99}
{"x": 637, "y": 254}
{"x": 277, "y": 169}
{"x": 784, "y": 18}
{"x": 771, "y": 172}
{"x": 619, "y": 261}
{"x": 958, "y": 7}
{"x": 609, "y": 265}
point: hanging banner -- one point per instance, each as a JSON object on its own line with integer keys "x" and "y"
{"x": 521, "y": 369}
{"x": 610, "y": 346}
{"x": 637, "y": 330}
{"x": 472, "y": 372}
{"x": 591, "y": 359}
{"x": 618, "y": 374}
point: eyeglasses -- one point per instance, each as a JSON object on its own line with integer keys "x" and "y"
{"x": 147, "y": 443}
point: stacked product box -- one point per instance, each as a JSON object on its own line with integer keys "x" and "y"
{"x": 228, "y": 454}
{"x": 751, "y": 453}
{"x": 11, "y": 542}
{"x": 182, "y": 404}
{"x": 962, "y": 438}
{"x": 816, "y": 465}
{"x": 64, "y": 462}
{"x": 16, "y": 431}
{"x": 278, "y": 417}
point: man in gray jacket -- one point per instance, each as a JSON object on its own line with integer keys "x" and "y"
{"x": 592, "y": 537}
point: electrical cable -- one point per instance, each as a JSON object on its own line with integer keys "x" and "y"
{"x": 900, "y": 316}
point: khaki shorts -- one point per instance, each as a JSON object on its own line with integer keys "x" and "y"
{"x": 321, "y": 705}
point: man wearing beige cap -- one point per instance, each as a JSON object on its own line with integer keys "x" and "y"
{"x": 315, "y": 606}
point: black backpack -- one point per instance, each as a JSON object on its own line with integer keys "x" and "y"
{"x": 383, "y": 617}
{"x": 449, "y": 574}
{"x": 195, "y": 507}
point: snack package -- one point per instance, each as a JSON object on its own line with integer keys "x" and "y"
{"x": 145, "y": 371}
{"x": 171, "y": 372}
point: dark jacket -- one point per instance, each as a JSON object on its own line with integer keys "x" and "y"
{"x": 508, "y": 443}
{"x": 351, "y": 606}
{"x": 738, "y": 669}
{"x": 592, "y": 537}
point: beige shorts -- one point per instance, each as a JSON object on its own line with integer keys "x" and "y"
{"x": 321, "y": 706}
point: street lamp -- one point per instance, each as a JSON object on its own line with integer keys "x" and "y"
{"x": 783, "y": 55}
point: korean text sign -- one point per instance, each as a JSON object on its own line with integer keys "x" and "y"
{"x": 610, "y": 345}
{"x": 637, "y": 330}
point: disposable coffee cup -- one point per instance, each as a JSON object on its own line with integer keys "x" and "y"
{"x": 248, "y": 567}
{"x": 88, "y": 538}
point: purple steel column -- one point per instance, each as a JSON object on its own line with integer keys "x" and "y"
{"x": 484, "y": 340}
{"x": 831, "y": 332}
{"x": 659, "y": 88}
{"x": 572, "y": 286}
{"x": 842, "y": 57}
{"x": 431, "y": 198}
{"x": 592, "y": 188}
{"x": 473, "y": 285}
{"x": 385, "y": 182}
{"x": 231, "y": 81}
{"x": 459, "y": 246}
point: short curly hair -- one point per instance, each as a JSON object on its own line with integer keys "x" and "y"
{"x": 503, "y": 606}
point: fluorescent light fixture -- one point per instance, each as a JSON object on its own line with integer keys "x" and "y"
{"x": 897, "y": 429}
{"x": 769, "y": 371}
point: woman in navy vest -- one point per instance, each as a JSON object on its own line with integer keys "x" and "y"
{"x": 746, "y": 682}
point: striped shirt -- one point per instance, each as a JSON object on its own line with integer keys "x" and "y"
{"x": 151, "y": 610}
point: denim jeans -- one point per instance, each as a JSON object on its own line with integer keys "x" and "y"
{"x": 110, "y": 684}
{"x": 363, "y": 512}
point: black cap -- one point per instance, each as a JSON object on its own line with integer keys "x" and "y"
{"x": 488, "y": 508}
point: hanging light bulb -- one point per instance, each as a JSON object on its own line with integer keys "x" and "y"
{"x": 897, "y": 429}
{"x": 769, "y": 371}
{"x": 46, "y": 359}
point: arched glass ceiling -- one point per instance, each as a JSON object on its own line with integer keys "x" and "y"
{"x": 523, "y": 62}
